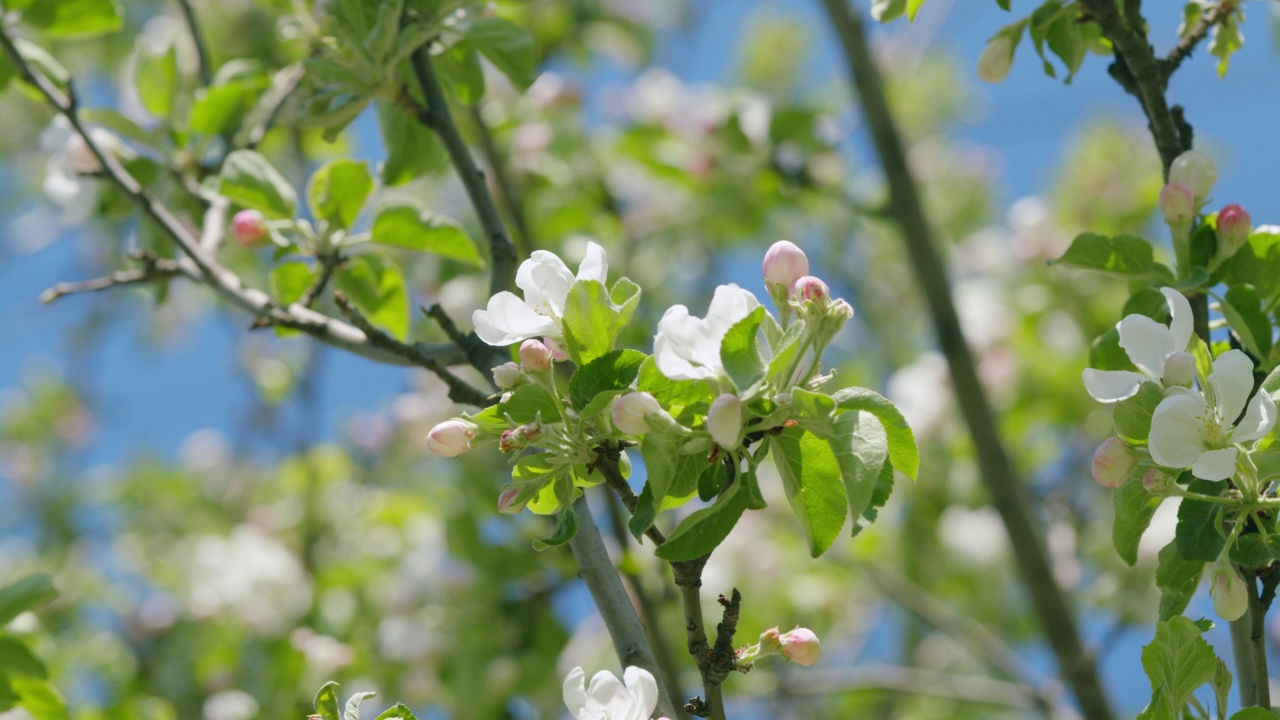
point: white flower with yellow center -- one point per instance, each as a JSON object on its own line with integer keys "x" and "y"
{"x": 1158, "y": 351}
{"x": 546, "y": 282}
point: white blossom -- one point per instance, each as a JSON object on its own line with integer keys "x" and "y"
{"x": 546, "y": 281}
{"x": 606, "y": 698}
{"x": 1149, "y": 345}
{"x": 688, "y": 348}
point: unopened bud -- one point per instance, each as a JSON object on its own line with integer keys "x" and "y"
{"x": 557, "y": 353}
{"x": 535, "y": 356}
{"x": 1177, "y": 204}
{"x": 724, "y": 421}
{"x": 506, "y": 375}
{"x": 785, "y": 263}
{"x": 630, "y": 410}
{"x": 801, "y": 646}
{"x": 451, "y": 438}
{"x": 249, "y": 227}
{"x": 1112, "y": 463}
{"x": 1196, "y": 172}
{"x": 812, "y": 289}
{"x": 518, "y": 438}
{"x": 841, "y": 310}
{"x": 996, "y": 58}
{"x": 1229, "y": 592}
{"x": 1179, "y": 369}
{"x": 1234, "y": 226}
{"x": 1155, "y": 482}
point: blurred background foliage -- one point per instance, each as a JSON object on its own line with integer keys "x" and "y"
{"x": 228, "y": 576}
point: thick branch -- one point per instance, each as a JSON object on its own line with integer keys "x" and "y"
{"x": 1008, "y": 494}
{"x": 613, "y": 603}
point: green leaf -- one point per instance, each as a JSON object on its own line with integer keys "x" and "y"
{"x": 338, "y": 190}
{"x": 1221, "y": 684}
{"x": 404, "y": 224}
{"x": 785, "y": 351}
{"x": 412, "y": 149}
{"x": 861, "y": 449}
{"x": 381, "y": 39}
{"x": 814, "y": 412}
{"x": 376, "y": 287}
{"x": 740, "y": 351}
{"x": 913, "y": 6}
{"x": 814, "y": 483}
{"x": 1257, "y": 263}
{"x": 26, "y": 594}
{"x": 460, "y": 64}
{"x": 399, "y": 712}
{"x": 529, "y": 402}
{"x": 643, "y": 515}
{"x": 39, "y": 698}
{"x": 1122, "y": 255}
{"x": 902, "y": 442}
{"x": 1179, "y": 660}
{"x": 326, "y": 702}
{"x": 508, "y": 46}
{"x": 157, "y": 80}
{"x": 1177, "y": 579}
{"x": 221, "y": 108}
{"x": 671, "y": 472}
{"x": 614, "y": 370}
{"x": 290, "y": 280}
{"x": 1226, "y": 41}
{"x": 352, "y": 711}
{"x": 675, "y": 395}
{"x": 885, "y": 10}
{"x": 588, "y": 318}
{"x": 566, "y": 519}
{"x": 1132, "y": 417}
{"x": 705, "y": 529}
{"x": 1199, "y": 534}
{"x": 75, "y": 18}
{"x": 1244, "y": 312}
{"x": 248, "y": 179}
{"x": 17, "y": 659}
{"x": 1134, "y": 508}
{"x": 1254, "y": 713}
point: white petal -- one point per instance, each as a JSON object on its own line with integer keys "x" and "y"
{"x": 1147, "y": 342}
{"x": 1177, "y": 436}
{"x": 644, "y": 690}
{"x": 1110, "y": 386}
{"x": 1181, "y": 326}
{"x": 545, "y": 280}
{"x": 507, "y": 320}
{"x": 575, "y": 693}
{"x": 1232, "y": 381}
{"x": 1215, "y": 465}
{"x": 1258, "y": 420}
{"x": 594, "y": 266}
{"x": 675, "y": 346}
{"x": 729, "y": 304}
{"x": 609, "y": 692}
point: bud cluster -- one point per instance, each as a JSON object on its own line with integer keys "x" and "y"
{"x": 800, "y": 646}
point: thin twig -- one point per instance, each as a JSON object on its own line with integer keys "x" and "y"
{"x": 202, "y": 55}
{"x": 1214, "y": 15}
{"x": 478, "y": 353}
{"x": 328, "y": 264}
{"x": 459, "y": 390}
{"x": 153, "y": 270}
{"x": 1008, "y": 493}
{"x": 506, "y": 190}
{"x": 264, "y": 114}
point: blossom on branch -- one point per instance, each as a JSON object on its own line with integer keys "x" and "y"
{"x": 546, "y": 281}
{"x": 607, "y": 698}
{"x": 1150, "y": 346}
{"x": 687, "y": 347}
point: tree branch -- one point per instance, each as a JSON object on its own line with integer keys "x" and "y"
{"x": 506, "y": 190}
{"x": 268, "y": 107}
{"x": 153, "y": 270}
{"x": 1008, "y": 493}
{"x": 329, "y": 262}
{"x": 1182, "y": 50}
{"x": 202, "y": 55}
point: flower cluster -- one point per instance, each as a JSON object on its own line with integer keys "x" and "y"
{"x": 607, "y": 698}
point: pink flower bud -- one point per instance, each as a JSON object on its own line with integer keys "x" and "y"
{"x": 249, "y": 227}
{"x": 785, "y": 263}
{"x": 535, "y": 356}
{"x": 996, "y": 58}
{"x": 518, "y": 438}
{"x": 557, "y": 353}
{"x": 1112, "y": 463}
{"x": 801, "y": 646}
{"x": 1196, "y": 172}
{"x": 1179, "y": 369}
{"x": 1229, "y": 592}
{"x": 724, "y": 421}
{"x": 451, "y": 438}
{"x": 1155, "y": 482}
{"x": 1234, "y": 226}
{"x": 811, "y": 288}
{"x": 1177, "y": 204}
{"x": 506, "y": 375}
{"x": 770, "y": 641}
{"x": 630, "y": 411}
{"x": 508, "y": 501}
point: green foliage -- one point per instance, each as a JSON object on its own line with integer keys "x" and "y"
{"x": 1123, "y": 255}
{"x": 1177, "y": 662}
{"x": 75, "y": 18}
{"x": 248, "y": 179}
{"x": 593, "y": 318}
{"x": 404, "y": 224}
{"x": 813, "y": 478}
{"x": 1134, "y": 508}
{"x": 376, "y": 287}
{"x": 508, "y": 46}
{"x": 613, "y": 371}
{"x": 740, "y": 352}
{"x": 1132, "y": 416}
{"x": 705, "y": 529}
{"x": 338, "y": 190}
{"x": 1199, "y": 535}
{"x": 903, "y": 452}
{"x": 1177, "y": 579}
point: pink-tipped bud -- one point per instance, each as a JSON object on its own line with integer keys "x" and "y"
{"x": 1196, "y": 172}
{"x": 724, "y": 421}
{"x": 630, "y": 410}
{"x": 1229, "y": 592}
{"x": 509, "y": 501}
{"x": 249, "y": 227}
{"x": 996, "y": 58}
{"x": 1155, "y": 482}
{"x": 451, "y": 438}
{"x": 1179, "y": 369}
{"x": 1234, "y": 226}
{"x": 812, "y": 289}
{"x": 1177, "y": 204}
{"x": 557, "y": 353}
{"x": 535, "y": 356}
{"x": 1112, "y": 463}
{"x": 506, "y": 375}
{"x": 518, "y": 438}
{"x": 770, "y": 641}
{"x": 785, "y": 263}
{"x": 801, "y": 646}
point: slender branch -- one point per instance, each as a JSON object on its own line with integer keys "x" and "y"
{"x": 612, "y": 601}
{"x": 202, "y": 55}
{"x": 153, "y": 270}
{"x": 1214, "y": 15}
{"x": 328, "y": 264}
{"x": 1008, "y": 493}
{"x": 478, "y": 353}
{"x": 459, "y": 390}
{"x": 267, "y": 110}
{"x": 506, "y": 190}
{"x": 608, "y": 467}
{"x": 502, "y": 250}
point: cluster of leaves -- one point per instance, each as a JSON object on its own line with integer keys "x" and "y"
{"x": 24, "y": 679}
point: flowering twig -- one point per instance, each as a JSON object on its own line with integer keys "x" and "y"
{"x": 1199, "y": 31}
{"x": 1009, "y": 494}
